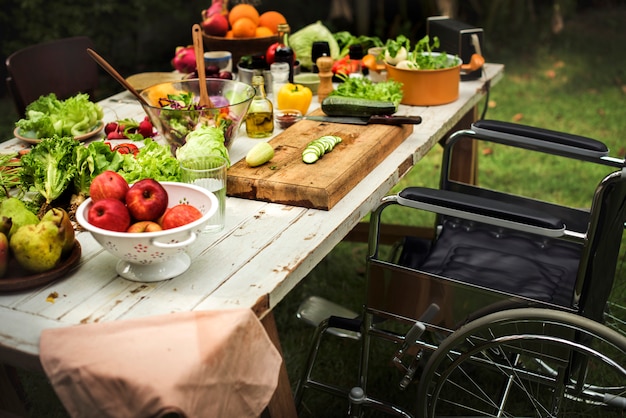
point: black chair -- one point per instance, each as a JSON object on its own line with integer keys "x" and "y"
{"x": 62, "y": 67}
{"x": 502, "y": 312}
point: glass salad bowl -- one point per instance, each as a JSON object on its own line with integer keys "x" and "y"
{"x": 173, "y": 108}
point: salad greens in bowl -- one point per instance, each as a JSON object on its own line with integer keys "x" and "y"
{"x": 174, "y": 110}
{"x": 46, "y": 117}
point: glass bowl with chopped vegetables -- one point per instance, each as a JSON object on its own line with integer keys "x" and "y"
{"x": 174, "y": 110}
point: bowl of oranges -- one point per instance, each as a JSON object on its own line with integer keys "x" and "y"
{"x": 242, "y": 30}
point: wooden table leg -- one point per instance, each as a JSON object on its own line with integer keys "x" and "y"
{"x": 281, "y": 405}
{"x": 464, "y": 165}
{"x": 11, "y": 403}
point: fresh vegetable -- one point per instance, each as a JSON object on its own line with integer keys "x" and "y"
{"x": 90, "y": 161}
{"x": 352, "y": 106}
{"x": 184, "y": 60}
{"x": 420, "y": 58}
{"x": 345, "y": 66}
{"x": 302, "y": 42}
{"x": 48, "y": 116}
{"x": 345, "y": 40}
{"x": 364, "y": 88}
{"x": 130, "y": 129}
{"x": 152, "y": 161}
{"x": 318, "y": 147}
{"x": 295, "y": 96}
{"x": 182, "y": 123}
{"x": 259, "y": 154}
{"x": 9, "y": 172}
{"x": 49, "y": 167}
{"x": 206, "y": 140}
{"x": 396, "y": 50}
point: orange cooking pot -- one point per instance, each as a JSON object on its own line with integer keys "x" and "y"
{"x": 428, "y": 87}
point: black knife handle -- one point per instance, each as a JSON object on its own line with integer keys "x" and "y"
{"x": 395, "y": 120}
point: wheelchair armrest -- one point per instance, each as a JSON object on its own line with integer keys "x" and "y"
{"x": 481, "y": 209}
{"x": 539, "y": 139}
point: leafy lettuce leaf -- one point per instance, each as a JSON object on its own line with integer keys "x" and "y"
{"x": 49, "y": 167}
{"x": 49, "y": 116}
{"x": 204, "y": 141}
{"x": 153, "y": 161}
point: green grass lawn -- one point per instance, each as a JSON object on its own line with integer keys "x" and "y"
{"x": 574, "y": 82}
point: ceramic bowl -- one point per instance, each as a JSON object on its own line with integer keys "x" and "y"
{"x": 230, "y": 100}
{"x": 310, "y": 80}
{"x": 159, "y": 255}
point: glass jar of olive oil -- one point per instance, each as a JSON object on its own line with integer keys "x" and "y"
{"x": 260, "y": 118}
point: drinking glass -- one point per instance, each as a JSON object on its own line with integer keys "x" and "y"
{"x": 208, "y": 172}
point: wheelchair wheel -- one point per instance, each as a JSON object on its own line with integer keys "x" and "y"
{"x": 527, "y": 362}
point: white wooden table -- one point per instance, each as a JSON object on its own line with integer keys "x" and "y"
{"x": 260, "y": 256}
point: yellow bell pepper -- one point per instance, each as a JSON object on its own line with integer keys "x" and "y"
{"x": 295, "y": 96}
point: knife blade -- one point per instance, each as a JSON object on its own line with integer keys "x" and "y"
{"x": 376, "y": 119}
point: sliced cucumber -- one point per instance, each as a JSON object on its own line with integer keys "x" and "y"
{"x": 318, "y": 147}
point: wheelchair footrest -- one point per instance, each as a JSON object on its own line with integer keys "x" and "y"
{"x": 315, "y": 309}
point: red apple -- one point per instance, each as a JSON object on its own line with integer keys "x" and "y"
{"x": 144, "y": 226}
{"x": 180, "y": 215}
{"x": 109, "y": 214}
{"x": 146, "y": 200}
{"x": 108, "y": 184}
{"x": 215, "y": 25}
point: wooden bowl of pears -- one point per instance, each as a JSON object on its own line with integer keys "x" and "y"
{"x": 34, "y": 251}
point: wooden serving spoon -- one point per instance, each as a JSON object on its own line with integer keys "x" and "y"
{"x": 113, "y": 72}
{"x": 205, "y": 100}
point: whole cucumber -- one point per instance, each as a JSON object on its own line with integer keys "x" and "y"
{"x": 351, "y": 106}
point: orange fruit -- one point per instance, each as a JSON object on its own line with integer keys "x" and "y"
{"x": 243, "y": 10}
{"x": 262, "y": 32}
{"x": 244, "y": 28}
{"x": 271, "y": 19}
{"x": 229, "y": 34}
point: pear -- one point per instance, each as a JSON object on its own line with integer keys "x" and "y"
{"x": 18, "y": 212}
{"x": 62, "y": 220}
{"x": 4, "y": 253}
{"x": 38, "y": 248}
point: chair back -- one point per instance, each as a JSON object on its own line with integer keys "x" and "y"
{"x": 62, "y": 67}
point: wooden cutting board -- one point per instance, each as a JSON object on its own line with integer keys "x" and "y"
{"x": 287, "y": 179}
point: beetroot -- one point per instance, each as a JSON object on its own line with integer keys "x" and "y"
{"x": 184, "y": 59}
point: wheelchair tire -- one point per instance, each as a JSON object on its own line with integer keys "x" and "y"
{"x": 526, "y": 362}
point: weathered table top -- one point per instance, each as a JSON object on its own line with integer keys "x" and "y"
{"x": 262, "y": 253}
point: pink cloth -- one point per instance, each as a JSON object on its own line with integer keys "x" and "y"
{"x": 201, "y": 364}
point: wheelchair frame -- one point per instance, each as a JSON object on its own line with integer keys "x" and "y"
{"x": 539, "y": 353}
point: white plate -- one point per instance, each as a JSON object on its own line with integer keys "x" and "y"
{"x": 31, "y": 140}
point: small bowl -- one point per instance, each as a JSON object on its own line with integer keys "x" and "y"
{"x": 222, "y": 59}
{"x": 310, "y": 80}
{"x": 284, "y": 118}
{"x": 159, "y": 255}
{"x": 230, "y": 99}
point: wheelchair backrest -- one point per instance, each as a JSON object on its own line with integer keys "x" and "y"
{"x": 600, "y": 227}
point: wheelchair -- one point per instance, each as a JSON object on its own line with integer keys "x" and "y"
{"x": 503, "y": 310}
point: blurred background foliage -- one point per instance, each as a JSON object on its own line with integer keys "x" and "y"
{"x": 141, "y": 35}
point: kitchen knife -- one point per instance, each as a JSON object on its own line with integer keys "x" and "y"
{"x": 376, "y": 119}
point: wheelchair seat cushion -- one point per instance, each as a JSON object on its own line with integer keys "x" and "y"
{"x": 511, "y": 262}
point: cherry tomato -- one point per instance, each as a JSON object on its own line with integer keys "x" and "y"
{"x": 270, "y": 54}
{"x": 126, "y": 148}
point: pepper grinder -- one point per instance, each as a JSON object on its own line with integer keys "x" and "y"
{"x": 325, "y": 65}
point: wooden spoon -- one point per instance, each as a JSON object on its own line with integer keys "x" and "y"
{"x": 205, "y": 100}
{"x": 109, "y": 69}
